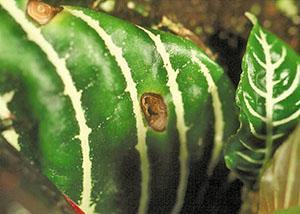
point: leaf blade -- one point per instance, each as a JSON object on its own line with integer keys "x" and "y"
{"x": 268, "y": 97}
{"x": 279, "y": 187}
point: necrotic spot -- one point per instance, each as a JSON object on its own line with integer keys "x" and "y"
{"x": 41, "y": 12}
{"x": 155, "y": 111}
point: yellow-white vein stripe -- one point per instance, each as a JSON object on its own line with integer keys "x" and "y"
{"x": 34, "y": 34}
{"x": 180, "y": 123}
{"x": 219, "y": 121}
{"x": 4, "y": 100}
{"x": 10, "y": 135}
{"x": 131, "y": 88}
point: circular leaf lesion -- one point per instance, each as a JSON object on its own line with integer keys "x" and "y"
{"x": 155, "y": 111}
{"x": 41, "y": 12}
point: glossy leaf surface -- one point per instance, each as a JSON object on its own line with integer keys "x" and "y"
{"x": 268, "y": 96}
{"x": 75, "y": 86}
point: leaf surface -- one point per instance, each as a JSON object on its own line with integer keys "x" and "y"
{"x": 279, "y": 184}
{"x": 134, "y": 118}
{"x": 268, "y": 96}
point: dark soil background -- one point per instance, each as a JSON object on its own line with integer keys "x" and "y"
{"x": 223, "y": 28}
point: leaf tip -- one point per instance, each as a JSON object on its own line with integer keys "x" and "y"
{"x": 251, "y": 17}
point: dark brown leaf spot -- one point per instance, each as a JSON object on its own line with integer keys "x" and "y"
{"x": 155, "y": 111}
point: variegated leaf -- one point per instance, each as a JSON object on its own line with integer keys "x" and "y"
{"x": 121, "y": 118}
{"x": 268, "y": 96}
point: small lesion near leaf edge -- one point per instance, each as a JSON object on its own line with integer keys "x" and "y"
{"x": 41, "y": 12}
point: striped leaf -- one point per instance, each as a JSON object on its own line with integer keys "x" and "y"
{"x": 123, "y": 119}
{"x": 268, "y": 96}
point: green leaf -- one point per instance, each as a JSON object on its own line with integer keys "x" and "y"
{"x": 268, "y": 96}
{"x": 292, "y": 210}
{"x": 121, "y": 118}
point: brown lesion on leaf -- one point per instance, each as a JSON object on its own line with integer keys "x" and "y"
{"x": 155, "y": 111}
{"x": 41, "y": 12}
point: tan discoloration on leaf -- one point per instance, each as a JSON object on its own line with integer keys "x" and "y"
{"x": 41, "y": 12}
{"x": 155, "y": 111}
